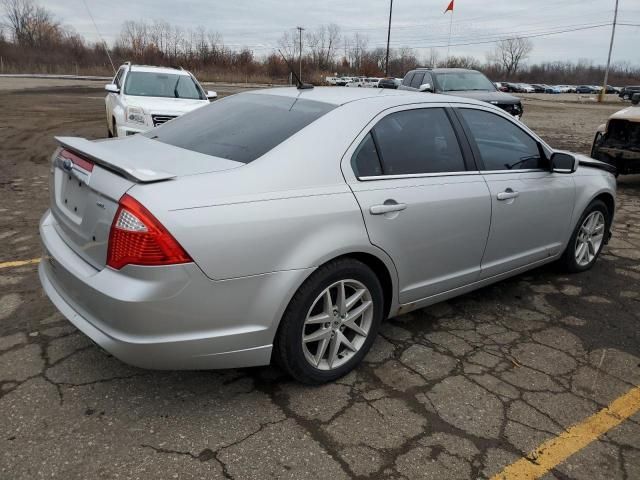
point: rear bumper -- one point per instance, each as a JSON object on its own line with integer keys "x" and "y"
{"x": 166, "y": 317}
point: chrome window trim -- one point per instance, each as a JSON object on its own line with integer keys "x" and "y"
{"x": 417, "y": 175}
{"x": 515, "y": 170}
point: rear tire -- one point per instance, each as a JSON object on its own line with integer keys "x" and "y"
{"x": 320, "y": 338}
{"x": 588, "y": 238}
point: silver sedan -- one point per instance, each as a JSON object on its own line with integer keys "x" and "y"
{"x": 286, "y": 224}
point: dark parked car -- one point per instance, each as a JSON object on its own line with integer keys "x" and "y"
{"x": 389, "y": 82}
{"x": 539, "y": 88}
{"x": 626, "y": 93}
{"x": 460, "y": 82}
{"x": 586, "y": 89}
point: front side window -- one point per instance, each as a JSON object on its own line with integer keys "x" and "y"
{"x": 241, "y": 127}
{"x": 406, "y": 81}
{"x": 501, "y": 143}
{"x": 417, "y": 80}
{"x": 410, "y": 142}
{"x": 169, "y": 85}
{"x": 118, "y": 78}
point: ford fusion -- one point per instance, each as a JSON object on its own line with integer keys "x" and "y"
{"x": 284, "y": 225}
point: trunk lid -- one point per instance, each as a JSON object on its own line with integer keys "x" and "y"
{"x": 88, "y": 178}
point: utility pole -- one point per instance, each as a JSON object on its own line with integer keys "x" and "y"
{"x": 606, "y": 72}
{"x": 300, "y": 29}
{"x": 386, "y": 63}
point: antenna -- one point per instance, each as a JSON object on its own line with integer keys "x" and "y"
{"x": 106, "y": 47}
{"x": 301, "y": 86}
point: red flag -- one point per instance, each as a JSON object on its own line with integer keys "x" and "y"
{"x": 449, "y": 8}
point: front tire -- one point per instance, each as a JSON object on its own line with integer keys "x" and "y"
{"x": 588, "y": 238}
{"x": 331, "y": 322}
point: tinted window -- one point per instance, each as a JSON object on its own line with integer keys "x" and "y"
{"x": 366, "y": 162}
{"x": 241, "y": 127}
{"x": 502, "y": 145}
{"x": 149, "y": 84}
{"x": 418, "y": 141}
{"x": 406, "y": 81}
{"x": 417, "y": 79}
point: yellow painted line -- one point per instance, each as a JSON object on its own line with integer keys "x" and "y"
{"x": 19, "y": 263}
{"x": 553, "y": 452}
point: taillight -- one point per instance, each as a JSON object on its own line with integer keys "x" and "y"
{"x": 138, "y": 238}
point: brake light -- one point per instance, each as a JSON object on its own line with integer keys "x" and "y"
{"x": 138, "y": 238}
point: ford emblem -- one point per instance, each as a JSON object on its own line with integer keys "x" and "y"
{"x": 67, "y": 164}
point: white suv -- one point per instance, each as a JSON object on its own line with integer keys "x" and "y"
{"x": 142, "y": 97}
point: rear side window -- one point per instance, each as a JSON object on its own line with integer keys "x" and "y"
{"x": 417, "y": 80}
{"x": 366, "y": 162}
{"x": 410, "y": 142}
{"x": 406, "y": 81}
{"x": 241, "y": 127}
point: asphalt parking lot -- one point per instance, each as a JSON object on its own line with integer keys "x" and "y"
{"x": 462, "y": 389}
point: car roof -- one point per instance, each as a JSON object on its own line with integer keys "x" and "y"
{"x": 340, "y": 96}
{"x": 154, "y": 69}
{"x": 446, "y": 70}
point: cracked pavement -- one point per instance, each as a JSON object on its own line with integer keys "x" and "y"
{"x": 457, "y": 390}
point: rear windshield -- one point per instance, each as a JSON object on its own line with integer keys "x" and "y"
{"x": 150, "y": 84}
{"x": 240, "y": 127}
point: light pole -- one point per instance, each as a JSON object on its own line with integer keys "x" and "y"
{"x": 300, "y": 29}
{"x": 606, "y": 72}
{"x": 386, "y": 63}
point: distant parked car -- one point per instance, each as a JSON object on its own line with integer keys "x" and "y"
{"x": 627, "y": 92}
{"x": 371, "y": 82}
{"x": 566, "y": 88}
{"x": 142, "y": 97}
{"x": 618, "y": 141}
{"x": 511, "y": 87}
{"x": 539, "y": 88}
{"x": 331, "y": 80}
{"x": 460, "y": 82}
{"x": 525, "y": 88}
{"x": 501, "y": 86}
{"x": 551, "y": 89}
{"x": 388, "y": 82}
{"x": 356, "y": 82}
{"x": 586, "y": 89}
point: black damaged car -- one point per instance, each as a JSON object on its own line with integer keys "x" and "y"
{"x": 461, "y": 82}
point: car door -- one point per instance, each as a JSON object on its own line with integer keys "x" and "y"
{"x": 422, "y": 202}
{"x": 531, "y": 206}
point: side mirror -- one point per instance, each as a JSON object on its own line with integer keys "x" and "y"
{"x": 635, "y": 98}
{"x": 211, "y": 95}
{"x": 112, "y": 88}
{"x": 563, "y": 163}
{"x": 426, "y": 87}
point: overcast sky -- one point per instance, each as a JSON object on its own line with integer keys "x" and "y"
{"x": 419, "y": 24}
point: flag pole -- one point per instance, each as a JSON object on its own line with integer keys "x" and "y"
{"x": 449, "y": 41}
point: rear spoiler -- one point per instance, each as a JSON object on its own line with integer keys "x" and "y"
{"x": 104, "y": 157}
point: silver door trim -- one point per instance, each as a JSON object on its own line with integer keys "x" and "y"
{"x": 417, "y": 175}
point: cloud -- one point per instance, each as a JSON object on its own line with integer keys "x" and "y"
{"x": 418, "y": 24}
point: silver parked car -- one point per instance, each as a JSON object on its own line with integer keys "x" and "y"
{"x": 287, "y": 224}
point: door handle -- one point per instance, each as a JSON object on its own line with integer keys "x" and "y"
{"x": 508, "y": 194}
{"x": 387, "y": 208}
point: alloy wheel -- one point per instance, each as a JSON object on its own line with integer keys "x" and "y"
{"x": 590, "y": 238}
{"x": 337, "y": 324}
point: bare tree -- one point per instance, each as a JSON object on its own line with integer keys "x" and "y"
{"x": 30, "y": 24}
{"x": 510, "y": 53}
{"x": 333, "y": 39}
